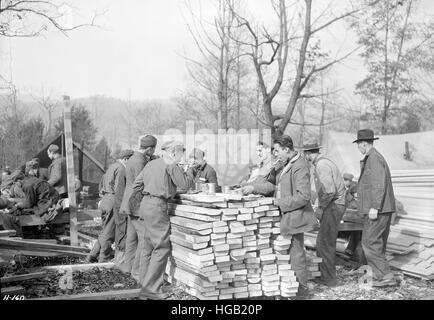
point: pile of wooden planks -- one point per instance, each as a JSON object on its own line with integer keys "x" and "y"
{"x": 229, "y": 246}
{"x": 411, "y": 240}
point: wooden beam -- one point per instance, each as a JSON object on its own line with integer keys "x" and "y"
{"x": 33, "y": 220}
{"x": 28, "y": 245}
{"x": 7, "y": 233}
{"x": 81, "y": 267}
{"x": 70, "y": 171}
{"x": 12, "y": 291}
{"x": 125, "y": 294}
{"x": 23, "y": 277}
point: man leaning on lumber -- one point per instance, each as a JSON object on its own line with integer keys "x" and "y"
{"x": 110, "y": 183}
{"x": 377, "y": 204}
{"x": 158, "y": 183}
{"x": 330, "y": 189}
{"x": 291, "y": 186}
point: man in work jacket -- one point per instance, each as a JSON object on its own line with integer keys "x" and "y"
{"x": 57, "y": 171}
{"x": 158, "y": 183}
{"x": 377, "y": 204}
{"x": 330, "y": 189}
{"x": 292, "y": 191}
{"x": 109, "y": 184}
{"x": 128, "y": 262}
{"x": 202, "y": 171}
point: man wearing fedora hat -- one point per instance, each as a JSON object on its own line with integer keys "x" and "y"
{"x": 377, "y": 204}
{"x": 330, "y": 189}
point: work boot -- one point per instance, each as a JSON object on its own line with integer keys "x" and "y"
{"x": 147, "y": 295}
{"x": 386, "y": 281}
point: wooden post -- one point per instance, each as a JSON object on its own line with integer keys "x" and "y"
{"x": 70, "y": 171}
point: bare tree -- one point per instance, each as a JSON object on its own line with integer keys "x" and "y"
{"x": 31, "y": 18}
{"x": 47, "y": 104}
{"x": 309, "y": 63}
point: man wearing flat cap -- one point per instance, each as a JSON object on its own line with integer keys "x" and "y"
{"x": 126, "y": 259}
{"x": 158, "y": 183}
{"x": 57, "y": 171}
{"x": 330, "y": 189}
{"x": 377, "y": 204}
{"x": 110, "y": 189}
{"x": 202, "y": 171}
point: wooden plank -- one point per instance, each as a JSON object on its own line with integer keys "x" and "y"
{"x": 7, "y": 233}
{"x": 73, "y": 228}
{"x": 190, "y": 215}
{"x": 18, "y": 290}
{"x": 81, "y": 267}
{"x": 27, "y": 245}
{"x": 189, "y": 231}
{"x": 33, "y": 220}
{"x": 123, "y": 294}
{"x": 190, "y": 223}
{"x": 23, "y": 277}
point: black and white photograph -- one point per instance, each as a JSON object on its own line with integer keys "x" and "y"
{"x": 239, "y": 153}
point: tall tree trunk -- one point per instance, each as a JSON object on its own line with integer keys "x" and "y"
{"x": 296, "y": 87}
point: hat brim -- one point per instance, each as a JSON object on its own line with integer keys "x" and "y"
{"x": 358, "y": 140}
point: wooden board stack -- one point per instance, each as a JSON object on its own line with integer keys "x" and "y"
{"x": 229, "y": 247}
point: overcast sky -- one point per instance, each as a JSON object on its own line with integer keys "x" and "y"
{"x": 138, "y": 54}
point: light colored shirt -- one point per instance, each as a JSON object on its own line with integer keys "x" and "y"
{"x": 329, "y": 183}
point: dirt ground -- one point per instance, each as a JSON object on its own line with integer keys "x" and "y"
{"x": 98, "y": 280}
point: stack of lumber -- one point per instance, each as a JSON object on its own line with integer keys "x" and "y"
{"x": 229, "y": 246}
{"x": 411, "y": 239}
{"x": 410, "y": 246}
{"x": 313, "y": 265}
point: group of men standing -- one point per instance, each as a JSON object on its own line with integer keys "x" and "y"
{"x": 289, "y": 181}
{"x": 135, "y": 191}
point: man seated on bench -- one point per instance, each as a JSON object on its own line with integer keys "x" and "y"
{"x": 40, "y": 199}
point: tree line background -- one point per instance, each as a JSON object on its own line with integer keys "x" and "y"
{"x": 244, "y": 73}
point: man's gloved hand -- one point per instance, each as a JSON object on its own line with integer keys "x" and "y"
{"x": 373, "y": 214}
{"x": 318, "y": 213}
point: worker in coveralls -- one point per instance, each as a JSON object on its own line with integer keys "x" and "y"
{"x": 101, "y": 251}
{"x": 331, "y": 192}
{"x": 57, "y": 171}
{"x": 377, "y": 204}
{"x": 127, "y": 258}
{"x": 158, "y": 183}
{"x": 292, "y": 190}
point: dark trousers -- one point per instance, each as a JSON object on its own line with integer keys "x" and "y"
{"x": 374, "y": 242}
{"x": 326, "y": 240}
{"x": 298, "y": 258}
{"x": 11, "y": 222}
{"x": 121, "y": 223}
{"x": 133, "y": 246}
{"x": 102, "y": 247}
{"x": 156, "y": 245}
